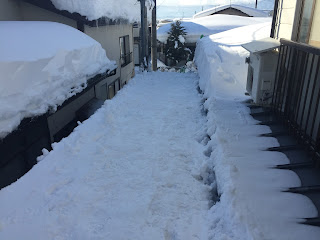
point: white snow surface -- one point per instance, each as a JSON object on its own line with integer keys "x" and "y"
{"x": 209, "y": 25}
{"x": 112, "y": 9}
{"x": 252, "y": 204}
{"x": 131, "y": 171}
{"x": 252, "y": 12}
{"x": 42, "y": 64}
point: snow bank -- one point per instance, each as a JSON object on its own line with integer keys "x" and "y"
{"x": 252, "y": 12}
{"x": 209, "y": 25}
{"x": 42, "y": 64}
{"x": 113, "y": 9}
{"x": 252, "y": 204}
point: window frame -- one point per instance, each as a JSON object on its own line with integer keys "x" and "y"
{"x": 125, "y": 53}
{"x": 299, "y": 16}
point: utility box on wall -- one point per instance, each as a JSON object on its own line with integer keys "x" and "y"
{"x": 262, "y": 65}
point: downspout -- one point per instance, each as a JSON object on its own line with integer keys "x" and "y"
{"x": 154, "y": 37}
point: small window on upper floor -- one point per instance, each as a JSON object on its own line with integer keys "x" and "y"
{"x": 306, "y": 20}
{"x": 125, "y": 54}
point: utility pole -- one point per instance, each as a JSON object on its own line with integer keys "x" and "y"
{"x": 154, "y": 37}
{"x": 142, "y": 35}
{"x": 256, "y": 3}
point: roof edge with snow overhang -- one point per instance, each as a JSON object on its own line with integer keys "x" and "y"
{"x": 48, "y": 5}
{"x": 251, "y": 12}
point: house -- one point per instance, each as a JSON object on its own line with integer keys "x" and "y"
{"x": 205, "y": 26}
{"x": 20, "y": 147}
{"x": 115, "y": 36}
{"x": 292, "y": 108}
{"x": 232, "y": 9}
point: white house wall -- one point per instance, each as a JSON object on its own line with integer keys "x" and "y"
{"x": 315, "y": 29}
{"x": 285, "y": 22}
{"x": 10, "y": 10}
{"x": 112, "y": 44}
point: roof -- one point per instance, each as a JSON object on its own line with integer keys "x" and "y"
{"x": 262, "y": 45}
{"x": 251, "y": 12}
{"x": 48, "y": 5}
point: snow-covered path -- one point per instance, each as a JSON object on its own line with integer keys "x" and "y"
{"x": 132, "y": 171}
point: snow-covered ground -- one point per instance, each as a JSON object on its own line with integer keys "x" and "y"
{"x": 40, "y": 70}
{"x": 252, "y": 204}
{"x": 209, "y": 25}
{"x": 134, "y": 170}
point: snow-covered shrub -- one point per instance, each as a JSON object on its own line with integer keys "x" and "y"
{"x": 175, "y": 48}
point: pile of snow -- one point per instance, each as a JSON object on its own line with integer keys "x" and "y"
{"x": 252, "y": 204}
{"x": 209, "y": 25}
{"x": 112, "y": 9}
{"x": 39, "y": 70}
{"x": 252, "y": 12}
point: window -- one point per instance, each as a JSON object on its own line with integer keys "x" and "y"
{"x": 306, "y": 17}
{"x": 125, "y": 54}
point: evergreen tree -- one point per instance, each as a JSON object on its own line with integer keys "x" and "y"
{"x": 175, "y": 48}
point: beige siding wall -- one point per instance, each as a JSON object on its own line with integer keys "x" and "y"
{"x": 109, "y": 36}
{"x": 315, "y": 29}
{"x": 10, "y": 10}
{"x": 286, "y": 14}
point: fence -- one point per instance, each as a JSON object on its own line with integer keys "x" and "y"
{"x": 297, "y": 91}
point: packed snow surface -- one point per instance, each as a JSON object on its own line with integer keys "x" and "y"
{"x": 252, "y": 204}
{"x": 42, "y": 64}
{"x": 112, "y": 9}
{"x": 252, "y": 12}
{"x": 134, "y": 170}
{"x": 209, "y": 25}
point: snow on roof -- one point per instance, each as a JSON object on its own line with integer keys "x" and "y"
{"x": 113, "y": 9}
{"x": 252, "y": 12}
{"x": 42, "y": 64}
{"x": 209, "y": 25}
{"x": 262, "y": 45}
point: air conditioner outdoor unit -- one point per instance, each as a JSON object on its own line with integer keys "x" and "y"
{"x": 262, "y": 65}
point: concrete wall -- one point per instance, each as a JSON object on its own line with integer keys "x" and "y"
{"x": 286, "y": 17}
{"x": 10, "y": 10}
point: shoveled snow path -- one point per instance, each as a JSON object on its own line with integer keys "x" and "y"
{"x": 129, "y": 172}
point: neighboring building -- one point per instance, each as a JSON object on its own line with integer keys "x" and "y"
{"x": 298, "y": 21}
{"x": 204, "y": 26}
{"x": 232, "y": 9}
{"x": 115, "y": 36}
{"x": 20, "y": 148}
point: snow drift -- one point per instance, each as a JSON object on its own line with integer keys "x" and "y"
{"x": 42, "y": 64}
{"x": 209, "y": 25}
{"x": 252, "y": 204}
